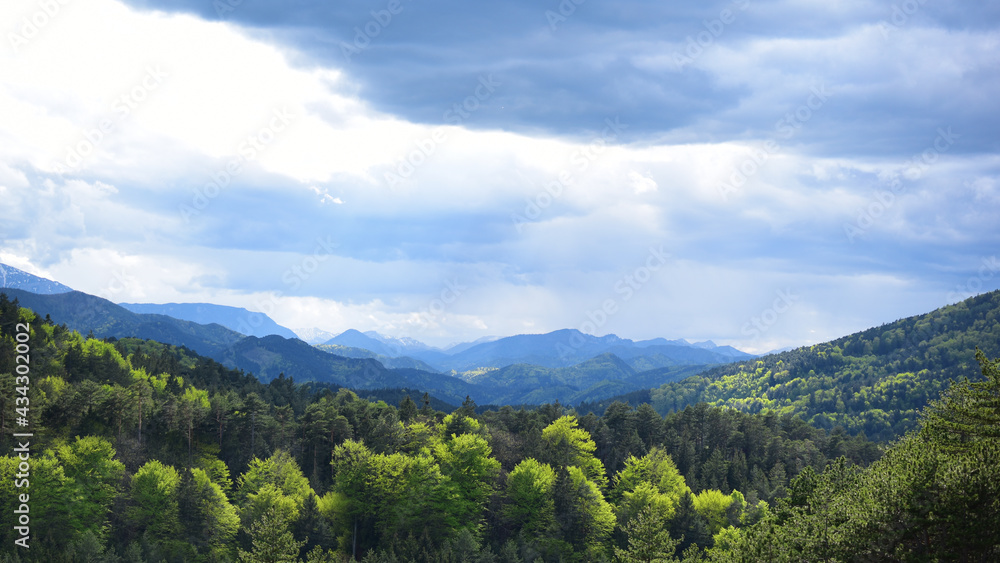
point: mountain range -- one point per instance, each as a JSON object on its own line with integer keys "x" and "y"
{"x": 268, "y": 357}
{"x": 874, "y": 381}
{"x": 558, "y": 349}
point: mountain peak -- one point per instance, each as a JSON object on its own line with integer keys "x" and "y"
{"x": 14, "y": 278}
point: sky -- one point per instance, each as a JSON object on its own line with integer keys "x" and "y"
{"x": 763, "y": 174}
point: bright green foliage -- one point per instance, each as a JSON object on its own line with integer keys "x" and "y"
{"x": 876, "y": 381}
{"x": 712, "y": 505}
{"x": 391, "y": 495}
{"x": 724, "y": 543}
{"x": 209, "y": 519}
{"x": 217, "y": 472}
{"x": 935, "y": 495}
{"x": 269, "y": 499}
{"x": 566, "y": 444}
{"x": 48, "y": 488}
{"x": 418, "y": 436}
{"x": 648, "y": 540}
{"x": 645, "y": 496}
{"x": 652, "y": 480}
{"x": 154, "y": 498}
{"x": 96, "y": 476}
{"x": 281, "y": 472}
{"x": 529, "y": 488}
{"x": 584, "y": 520}
{"x": 466, "y": 462}
{"x": 456, "y": 424}
{"x": 414, "y": 495}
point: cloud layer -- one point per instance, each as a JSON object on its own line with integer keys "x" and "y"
{"x": 765, "y": 174}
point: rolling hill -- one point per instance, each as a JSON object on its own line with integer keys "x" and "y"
{"x": 875, "y": 381}
{"x": 86, "y": 313}
{"x": 241, "y": 320}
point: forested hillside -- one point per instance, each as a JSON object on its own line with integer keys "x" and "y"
{"x": 874, "y": 381}
{"x": 147, "y": 452}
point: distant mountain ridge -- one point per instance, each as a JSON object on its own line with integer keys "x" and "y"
{"x": 11, "y": 277}
{"x": 389, "y": 362}
{"x": 270, "y": 356}
{"x": 87, "y": 313}
{"x": 557, "y": 349}
{"x": 313, "y": 335}
{"x": 234, "y": 318}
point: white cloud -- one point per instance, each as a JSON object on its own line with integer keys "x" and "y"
{"x": 314, "y": 158}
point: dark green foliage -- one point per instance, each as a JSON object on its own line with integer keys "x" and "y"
{"x": 934, "y": 496}
{"x": 969, "y": 412}
{"x": 648, "y": 540}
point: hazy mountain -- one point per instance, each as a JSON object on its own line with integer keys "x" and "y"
{"x": 313, "y": 335}
{"x": 380, "y": 343}
{"x": 19, "y": 279}
{"x": 567, "y": 347}
{"x": 356, "y": 339}
{"x": 389, "y": 362}
{"x": 272, "y": 355}
{"x": 392, "y": 347}
{"x": 87, "y": 313}
{"x": 463, "y": 346}
{"x": 234, "y": 318}
{"x": 405, "y": 343}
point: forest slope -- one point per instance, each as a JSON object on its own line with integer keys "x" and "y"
{"x": 874, "y": 381}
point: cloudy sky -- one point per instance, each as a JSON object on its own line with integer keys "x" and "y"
{"x": 760, "y": 173}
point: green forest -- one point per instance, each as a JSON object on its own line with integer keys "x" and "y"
{"x": 876, "y": 381}
{"x": 148, "y": 452}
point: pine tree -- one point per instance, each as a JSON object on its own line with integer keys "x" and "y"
{"x": 407, "y": 409}
{"x": 272, "y": 542}
{"x": 648, "y": 540}
{"x": 969, "y": 411}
